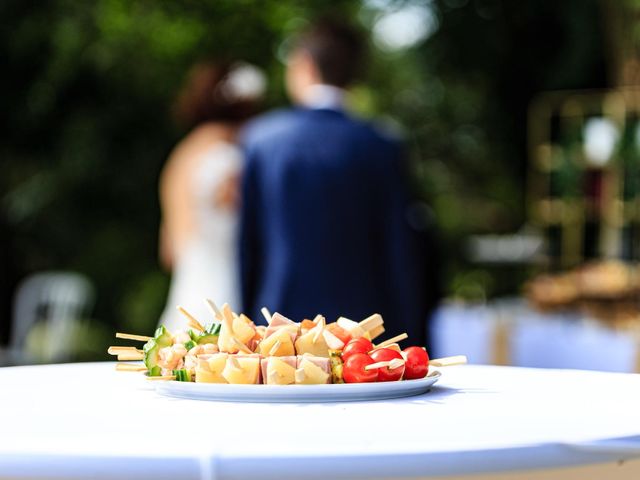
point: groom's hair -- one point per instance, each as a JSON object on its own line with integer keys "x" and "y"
{"x": 336, "y": 48}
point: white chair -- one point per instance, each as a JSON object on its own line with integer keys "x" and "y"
{"x": 56, "y": 302}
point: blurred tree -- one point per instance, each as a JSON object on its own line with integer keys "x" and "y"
{"x": 623, "y": 41}
{"x": 85, "y": 130}
{"x": 462, "y": 95}
{"x": 85, "y": 126}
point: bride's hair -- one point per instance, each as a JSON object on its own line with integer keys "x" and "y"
{"x": 219, "y": 91}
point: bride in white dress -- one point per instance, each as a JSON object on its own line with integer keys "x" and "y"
{"x": 199, "y": 189}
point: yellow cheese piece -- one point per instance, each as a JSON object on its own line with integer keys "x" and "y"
{"x": 240, "y": 328}
{"x": 217, "y": 363}
{"x": 242, "y": 370}
{"x": 371, "y": 322}
{"x": 225, "y": 339}
{"x": 305, "y": 344}
{"x": 243, "y": 329}
{"x": 285, "y": 349}
{"x": 354, "y": 328}
{"x": 279, "y": 372}
{"x": 210, "y": 370}
{"x": 293, "y": 330}
{"x": 310, "y": 374}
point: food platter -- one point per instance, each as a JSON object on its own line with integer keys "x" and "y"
{"x": 352, "y": 392}
{"x": 312, "y": 361}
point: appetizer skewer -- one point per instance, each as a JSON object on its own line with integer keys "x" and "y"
{"x": 232, "y": 349}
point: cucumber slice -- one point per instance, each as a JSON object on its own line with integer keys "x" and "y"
{"x": 194, "y": 336}
{"x": 182, "y": 375}
{"x": 189, "y": 345}
{"x": 151, "y": 350}
{"x": 214, "y": 329}
{"x": 163, "y": 337}
{"x": 207, "y": 338}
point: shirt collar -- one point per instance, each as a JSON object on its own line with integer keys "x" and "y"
{"x": 323, "y": 96}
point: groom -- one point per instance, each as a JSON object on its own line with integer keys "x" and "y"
{"x": 324, "y": 209}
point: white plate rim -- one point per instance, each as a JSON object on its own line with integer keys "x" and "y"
{"x": 347, "y": 392}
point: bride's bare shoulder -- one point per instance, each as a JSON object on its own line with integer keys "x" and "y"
{"x": 187, "y": 153}
{"x": 212, "y": 132}
{"x": 202, "y": 138}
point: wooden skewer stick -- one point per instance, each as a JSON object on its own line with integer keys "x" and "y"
{"x": 213, "y": 308}
{"x": 394, "y": 346}
{"x": 234, "y": 363}
{"x": 275, "y": 348}
{"x": 162, "y": 377}
{"x": 273, "y": 378}
{"x": 191, "y": 319}
{"x": 128, "y": 357}
{"x": 227, "y": 324}
{"x": 320, "y": 328}
{"x": 395, "y": 339}
{"x": 241, "y": 346}
{"x": 448, "y": 361}
{"x": 317, "y": 335}
{"x": 395, "y": 363}
{"x": 123, "y": 348}
{"x": 227, "y": 313}
{"x": 129, "y": 336}
{"x": 266, "y": 314}
{"x": 130, "y": 367}
{"x": 300, "y": 375}
{"x": 376, "y": 365}
{"x": 116, "y": 350}
{"x": 333, "y": 342}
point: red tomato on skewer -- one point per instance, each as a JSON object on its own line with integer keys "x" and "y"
{"x": 357, "y": 345}
{"x": 416, "y": 363}
{"x": 386, "y": 374}
{"x": 354, "y": 372}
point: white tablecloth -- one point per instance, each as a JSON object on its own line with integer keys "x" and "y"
{"x": 88, "y": 421}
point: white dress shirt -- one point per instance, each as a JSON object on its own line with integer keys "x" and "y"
{"x": 323, "y": 96}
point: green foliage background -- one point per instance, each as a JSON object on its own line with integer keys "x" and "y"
{"x": 85, "y": 127}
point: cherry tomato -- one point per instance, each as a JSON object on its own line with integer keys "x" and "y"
{"x": 341, "y": 333}
{"x": 416, "y": 363}
{"x": 353, "y": 370}
{"x": 357, "y": 345}
{"x": 385, "y": 374}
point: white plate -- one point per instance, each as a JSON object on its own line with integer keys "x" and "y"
{"x": 347, "y": 392}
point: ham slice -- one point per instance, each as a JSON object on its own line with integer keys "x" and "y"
{"x": 313, "y": 370}
{"x": 270, "y": 376}
{"x": 322, "y": 362}
{"x": 278, "y": 322}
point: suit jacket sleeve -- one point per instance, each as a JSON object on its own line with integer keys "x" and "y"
{"x": 249, "y": 234}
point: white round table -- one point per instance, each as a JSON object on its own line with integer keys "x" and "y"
{"x": 89, "y": 421}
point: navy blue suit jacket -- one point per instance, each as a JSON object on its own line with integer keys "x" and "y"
{"x": 324, "y": 223}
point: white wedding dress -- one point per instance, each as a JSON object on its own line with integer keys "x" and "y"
{"x": 208, "y": 265}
